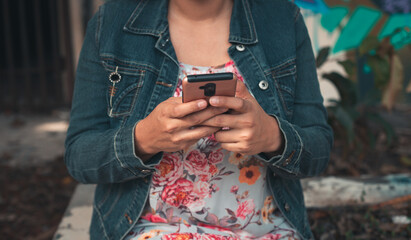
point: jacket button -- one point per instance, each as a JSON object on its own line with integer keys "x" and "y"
{"x": 287, "y": 207}
{"x": 240, "y": 48}
{"x": 263, "y": 85}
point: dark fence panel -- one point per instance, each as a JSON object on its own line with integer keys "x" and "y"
{"x": 36, "y": 63}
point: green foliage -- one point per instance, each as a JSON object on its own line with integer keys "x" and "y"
{"x": 380, "y": 67}
{"x": 322, "y": 56}
{"x": 368, "y": 44}
{"x": 355, "y": 119}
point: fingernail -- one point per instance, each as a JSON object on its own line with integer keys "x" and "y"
{"x": 202, "y": 104}
{"x": 214, "y": 100}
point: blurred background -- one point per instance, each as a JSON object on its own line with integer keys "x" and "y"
{"x": 363, "y": 54}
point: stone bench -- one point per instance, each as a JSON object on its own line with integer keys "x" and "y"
{"x": 319, "y": 192}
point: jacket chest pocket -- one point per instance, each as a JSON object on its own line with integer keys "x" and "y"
{"x": 284, "y": 76}
{"x": 123, "y": 87}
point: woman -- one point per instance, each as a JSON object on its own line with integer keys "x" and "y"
{"x": 166, "y": 169}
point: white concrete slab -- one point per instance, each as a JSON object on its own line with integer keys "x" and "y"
{"x": 29, "y": 140}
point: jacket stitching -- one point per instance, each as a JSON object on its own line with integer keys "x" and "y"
{"x": 114, "y": 203}
{"x": 133, "y": 64}
{"x": 136, "y": 13}
{"x": 117, "y": 102}
{"x": 99, "y": 26}
{"x": 101, "y": 221}
{"x": 282, "y": 65}
{"x": 251, "y": 25}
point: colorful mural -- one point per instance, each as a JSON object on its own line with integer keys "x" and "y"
{"x": 356, "y": 19}
{"x": 378, "y": 30}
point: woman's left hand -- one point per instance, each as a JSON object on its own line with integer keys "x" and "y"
{"x": 251, "y": 129}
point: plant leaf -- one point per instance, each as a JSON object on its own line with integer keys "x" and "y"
{"x": 212, "y": 219}
{"x": 345, "y": 87}
{"x": 231, "y": 212}
{"x": 349, "y": 67}
{"x": 381, "y": 70}
{"x": 388, "y": 128}
{"x": 322, "y": 56}
{"x": 344, "y": 118}
{"x": 368, "y": 44}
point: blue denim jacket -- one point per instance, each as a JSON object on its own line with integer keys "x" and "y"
{"x": 271, "y": 48}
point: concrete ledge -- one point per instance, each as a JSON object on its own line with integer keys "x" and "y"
{"x": 76, "y": 220}
{"x": 319, "y": 192}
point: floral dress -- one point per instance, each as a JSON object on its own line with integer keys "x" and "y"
{"x": 206, "y": 192}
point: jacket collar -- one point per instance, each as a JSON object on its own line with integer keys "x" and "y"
{"x": 150, "y": 18}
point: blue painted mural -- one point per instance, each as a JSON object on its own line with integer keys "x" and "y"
{"x": 371, "y": 32}
{"x": 356, "y": 23}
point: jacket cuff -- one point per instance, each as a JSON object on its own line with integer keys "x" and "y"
{"x": 289, "y": 159}
{"x": 126, "y": 155}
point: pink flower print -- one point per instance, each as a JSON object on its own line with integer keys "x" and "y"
{"x": 209, "y": 236}
{"x": 169, "y": 170}
{"x": 212, "y": 169}
{"x": 271, "y": 236}
{"x": 216, "y": 156}
{"x": 195, "y": 236}
{"x": 234, "y": 189}
{"x": 231, "y": 67}
{"x": 178, "y": 236}
{"x": 215, "y": 188}
{"x": 154, "y": 218}
{"x": 179, "y": 193}
{"x": 245, "y": 208}
{"x": 196, "y": 163}
{"x": 178, "y": 92}
{"x": 204, "y": 177}
{"x": 196, "y": 205}
{"x": 229, "y": 64}
{"x": 201, "y": 189}
{"x": 212, "y": 139}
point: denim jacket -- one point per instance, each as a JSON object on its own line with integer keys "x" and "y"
{"x": 271, "y": 48}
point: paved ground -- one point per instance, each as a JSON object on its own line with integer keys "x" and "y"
{"x": 32, "y": 140}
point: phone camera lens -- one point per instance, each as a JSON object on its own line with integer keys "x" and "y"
{"x": 209, "y": 89}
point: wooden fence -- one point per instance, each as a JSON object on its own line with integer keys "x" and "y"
{"x": 36, "y": 63}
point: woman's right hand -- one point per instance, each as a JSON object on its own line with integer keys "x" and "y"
{"x": 173, "y": 126}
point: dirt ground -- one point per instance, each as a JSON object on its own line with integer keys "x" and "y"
{"x": 33, "y": 198}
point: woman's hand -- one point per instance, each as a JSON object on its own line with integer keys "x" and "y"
{"x": 251, "y": 130}
{"x": 173, "y": 126}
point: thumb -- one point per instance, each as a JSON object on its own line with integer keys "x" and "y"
{"x": 242, "y": 91}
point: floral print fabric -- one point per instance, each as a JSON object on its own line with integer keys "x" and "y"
{"x": 206, "y": 192}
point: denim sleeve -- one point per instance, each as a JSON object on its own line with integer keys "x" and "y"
{"x": 96, "y": 153}
{"x": 308, "y": 137}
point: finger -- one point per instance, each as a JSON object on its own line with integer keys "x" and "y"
{"x": 229, "y": 120}
{"x": 175, "y": 99}
{"x": 183, "y": 109}
{"x": 228, "y": 136}
{"x": 234, "y": 147}
{"x": 235, "y": 103}
{"x": 196, "y": 133}
{"x": 242, "y": 91}
{"x": 198, "y": 118}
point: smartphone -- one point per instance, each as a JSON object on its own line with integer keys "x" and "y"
{"x": 204, "y": 86}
